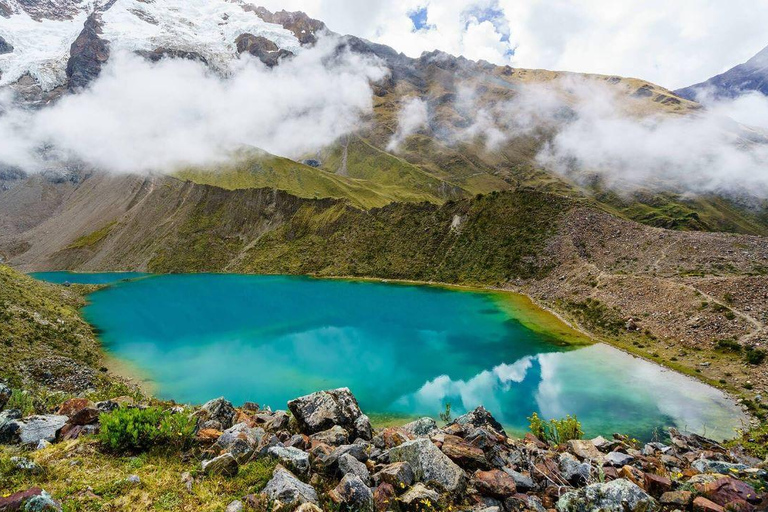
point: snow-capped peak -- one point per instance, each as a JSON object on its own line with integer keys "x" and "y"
{"x": 41, "y": 39}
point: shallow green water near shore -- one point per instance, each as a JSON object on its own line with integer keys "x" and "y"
{"x": 403, "y": 350}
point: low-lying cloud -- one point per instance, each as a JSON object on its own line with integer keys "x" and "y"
{"x": 588, "y": 128}
{"x": 140, "y": 116}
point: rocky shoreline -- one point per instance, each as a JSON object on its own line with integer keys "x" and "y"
{"x": 325, "y": 455}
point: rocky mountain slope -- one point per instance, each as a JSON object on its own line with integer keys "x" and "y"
{"x": 58, "y": 48}
{"x": 741, "y": 79}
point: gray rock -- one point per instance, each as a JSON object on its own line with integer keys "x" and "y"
{"x": 350, "y": 465}
{"x": 5, "y": 392}
{"x": 279, "y": 421}
{"x": 522, "y": 482}
{"x": 422, "y": 427}
{"x": 24, "y": 465}
{"x": 333, "y": 436}
{"x": 240, "y": 431}
{"x": 429, "y": 464}
{"x": 42, "y": 445}
{"x": 36, "y": 428}
{"x": 43, "y": 502}
{"x": 241, "y": 450}
{"x": 479, "y": 417}
{"x": 225, "y": 464}
{"x": 523, "y": 502}
{"x": 353, "y": 493}
{"x": 133, "y": 479}
{"x": 9, "y": 426}
{"x": 235, "y": 506}
{"x": 419, "y": 495}
{"x": 716, "y": 466}
{"x": 618, "y": 459}
{"x": 284, "y": 486}
{"x": 615, "y": 496}
{"x": 324, "y": 409}
{"x": 572, "y": 470}
{"x": 297, "y": 460}
{"x": 218, "y": 413}
{"x": 398, "y": 474}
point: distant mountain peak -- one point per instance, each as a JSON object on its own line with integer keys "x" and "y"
{"x": 744, "y": 78}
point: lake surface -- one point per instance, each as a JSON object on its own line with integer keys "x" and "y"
{"x": 403, "y": 351}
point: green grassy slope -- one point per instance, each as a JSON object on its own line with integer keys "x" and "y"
{"x": 488, "y": 239}
{"x": 39, "y": 320}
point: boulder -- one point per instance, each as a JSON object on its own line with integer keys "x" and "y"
{"x": 235, "y": 506}
{"x": 325, "y": 409}
{"x": 727, "y": 489}
{"x": 383, "y": 496}
{"x": 716, "y": 466}
{"x": 419, "y": 497}
{"x": 615, "y": 496}
{"x": 422, "y": 427}
{"x": 74, "y": 405}
{"x": 677, "y": 499}
{"x": 240, "y": 431}
{"x": 585, "y": 450}
{"x": 494, "y": 483}
{"x": 217, "y": 414}
{"x": 479, "y": 417}
{"x": 333, "y": 436}
{"x": 31, "y": 500}
{"x": 657, "y": 485}
{"x": 35, "y": 428}
{"x": 225, "y": 464}
{"x": 523, "y": 482}
{"x": 463, "y": 453}
{"x": 701, "y": 504}
{"x": 285, "y": 487}
{"x": 9, "y": 426}
{"x": 524, "y": 502}
{"x": 573, "y": 471}
{"x": 353, "y": 494}
{"x": 429, "y": 464}
{"x": 295, "y": 459}
{"x": 398, "y": 474}
{"x": 617, "y": 459}
{"x": 5, "y": 392}
{"x": 348, "y": 465}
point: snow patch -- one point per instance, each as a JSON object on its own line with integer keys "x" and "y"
{"x": 206, "y": 27}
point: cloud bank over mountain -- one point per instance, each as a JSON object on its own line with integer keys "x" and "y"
{"x": 143, "y": 116}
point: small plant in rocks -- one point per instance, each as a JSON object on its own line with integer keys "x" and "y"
{"x": 556, "y": 430}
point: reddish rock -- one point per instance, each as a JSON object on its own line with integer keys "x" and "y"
{"x": 463, "y": 453}
{"x": 69, "y": 432}
{"x": 727, "y": 489}
{"x": 245, "y": 418}
{"x": 394, "y": 436}
{"x": 208, "y": 435}
{"x": 610, "y": 473}
{"x": 15, "y": 502}
{"x": 383, "y": 497}
{"x": 701, "y": 504}
{"x": 657, "y": 485}
{"x": 494, "y": 483}
{"x": 74, "y": 405}
{"x": 634, "y": 475}
{"x": 85, "y": 416}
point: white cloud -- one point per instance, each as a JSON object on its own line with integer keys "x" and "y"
{"x": 140, "y": 116}
{"x": 674, "y": 44}
{"x": 413, "y": 116}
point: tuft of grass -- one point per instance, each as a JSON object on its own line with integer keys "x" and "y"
{"x": 93, "y": 238}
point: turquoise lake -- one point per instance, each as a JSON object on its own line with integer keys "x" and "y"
{"x": 404, "y": 351}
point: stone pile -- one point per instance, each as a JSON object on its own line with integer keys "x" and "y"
{"x": 329, "y": 456}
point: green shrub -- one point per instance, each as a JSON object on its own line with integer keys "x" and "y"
{"x": 131, "y": 430}
{"x": 728, "y": 345}
{"x": 556, "y": 431}
{"x": 177, "y": 431}
{"x": 755, "y": 355}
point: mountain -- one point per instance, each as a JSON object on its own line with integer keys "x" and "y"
{"x": 59, "y": 48}
{"x": 744, "y": 78}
